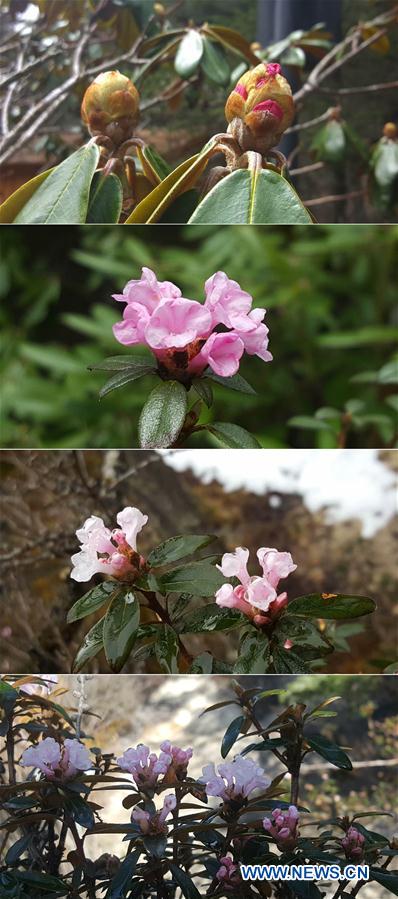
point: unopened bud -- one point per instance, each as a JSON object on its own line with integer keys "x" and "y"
{"x": 159, "y": 9}
{"x": 260, "y": 108}
{"x": 111, "y": 107}
{"x": 390, "y": 131}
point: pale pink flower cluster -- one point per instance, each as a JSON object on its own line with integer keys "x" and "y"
{"x": 235, "y": 780}
{"x": 257, "y": 596}
{"x": 109, "y": 552}
{"x": 146, "y": 767}
{"x": 283, "y": 827}
{"x": 228, "y": 873}
{"x": 185, "y": 335}
{"x": 353, "y": 843}
{"x": 57, "y": 761}
{"x": 154, "y": 824}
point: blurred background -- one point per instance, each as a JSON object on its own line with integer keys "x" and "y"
{"x": 334, "y": 511}
{"x": 366, "y": 722}
{"x": 331, "y": 298}
{"x": 178, "y": 116}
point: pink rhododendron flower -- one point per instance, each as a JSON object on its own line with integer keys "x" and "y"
{"x": 228, "y": 873}
{"x": 154, "y": 824}
{"x": 33, "y": 689}
{"x": 283, "y": 827}
{"x": 146, "y": 767}
{"x": 110, "y": 552}
{"x": 255, "y": 596}
{"x": 57, "y": 761}
{"x": 179, "y": 760}
{"x": 235, "y": 780}
{"x": 353, "y": 843}
{"x": 184, "y": 334}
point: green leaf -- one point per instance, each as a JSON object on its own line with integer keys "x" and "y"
{"x": 312, "y": 424}
{"x": 330, "y": 605}
{"x": 330, "y": 143}
{"x": 254, "y": 654}
{"x": 203, "y": 664}
{"x": 126, "y": 376}
{"x": 42, "y": 882}
{"x": 231, "y": 735}
{"x": 78, "y": 809}
{"x": 17, "y": 200}
{"x": 215, "y": 64}
{"x": 232, "y": 436}
{"x": 204, "y": 390}
{"x": 184, "y": 881}
{"x": 287, "y": 662}
{"x": 120, "y": 363}
{"x": 177, "y": 548}
{"x": 17, "y": 849}
{"x": 360, "y": 337}
{"x": 120, "y": 628}
{"x": 92, "y": 601}
{"x": 189, "y": 54}
{"x": 105, "y": 200}
{"x": 122, "y": 878}
{"x": 235, "y": 382}
{"x": 167, "y": 649}
{"x": 198, "y": 578}
{"x": 211, "y": 618}
{"x": 329, "y": 751}
{"x": 251, "y": 198}
{"x": 163, "y": 415}
{"x": 387, "y": 879}
{"x": 63, "y": 197}
{"x": 156, "y": 163}
{"x": 91, "y": 646}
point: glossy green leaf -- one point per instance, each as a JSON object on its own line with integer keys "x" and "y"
{"x": 63, "y": 197}
{"x": 199, "y": 578}
{"x": 387, "y": 879}
{"x": 42, "y": 882}
{"x": 126, "y": 376}
{"x": 120, "y": 363}
{"x": 17, "y": 849}
{"x": 254, "y": 654}
{"x": 77, "y": 808}
{"x": 331, "y": 605}
{"x": 215, "y": 64}
{"x": 177, "y": 548}
{"x": 189, "y": 54}
{"x": 211, "y": 618}
{"x": 120, "y": 882}
{"x": 92, "y": 601}
{"x": 184, "y": 881}
{"x": 232, "y": 435}
{"x": 329, "y": 751}
{"x": 105, "y": 200}
{"x": 167, "y": 649}
{"x": 91, "y": 646}
{"x": 120, "y": 628}
{"x": 330, "y": 143}
{"x": 285, "y": 661}
{"x": 181, "y": 180}
{"x": 163, "y": 415}
{"x": 204, "y": 390}
{"x": 231, "y": 735}
{"x": 235, "y": 382}
{"x": 251, "y": 198}
{"x": 157, "y": 164}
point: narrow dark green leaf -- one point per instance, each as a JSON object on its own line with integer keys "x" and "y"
{"x": 387, "y": 879}
{"x": 215, "y": 64}
{"x": 231, "y": 735}
{"x": 122, "y": 878}
{"x": 17, "y": 849}
{"x": 92, "y": 601}
{"x": 120, "y": 363}
{"x": 232, "y": 435}
{"x": 125, "y": 377}
{"x": 185, "y": 883}
{"x": 286, "y": 661}
{"x": 177, "y": 548}
{"x": 167, "y": 650}
{"x": 203, "y": 389}
{"x": 120, "y": 628}
{"x": 235, "y": 382}
{"x": 156, "y": 162}
{"x": 42, "y": 882}
{"x": 62, "y": 199}
{"x": 210, "y": 618}
{"x": 163, "y": 415}
{"x": 189, "y": 54}
{"x": 105, "y": 200}
{"x": 91, "y": 646}
{"x": 198, "y": 578}
{"x": 329, "y": 751}
{"x": 331, "y": 605}
{"x": 254, "y": 655}
{"x": 79, "y": 810}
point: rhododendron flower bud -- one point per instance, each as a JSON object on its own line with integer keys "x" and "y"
{"x": 57, "y": 761}
{"x": 179, "y": 760}
{"x": 152, "y": 825}
{"x": 144, "y": 766}
{"x": 110, "y": 552}
{"x": 260, "y": 108}
{"x": 235, "y": 780}
{"x": 353, "y": 843}
{"x": 283, "y": 827}
{"x": 228, "y": 873}
{"x": 181, "y": 333}
{"x": 111, "y": 107}
{"x": 255, "y": 596}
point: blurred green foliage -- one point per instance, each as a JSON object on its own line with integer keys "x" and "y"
{"x": 329, "y": 292}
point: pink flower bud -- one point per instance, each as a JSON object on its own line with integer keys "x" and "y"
{"x": 282, "y": 826}
{"x": 260, "y": 108}
{"x": 353, "y": 843}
